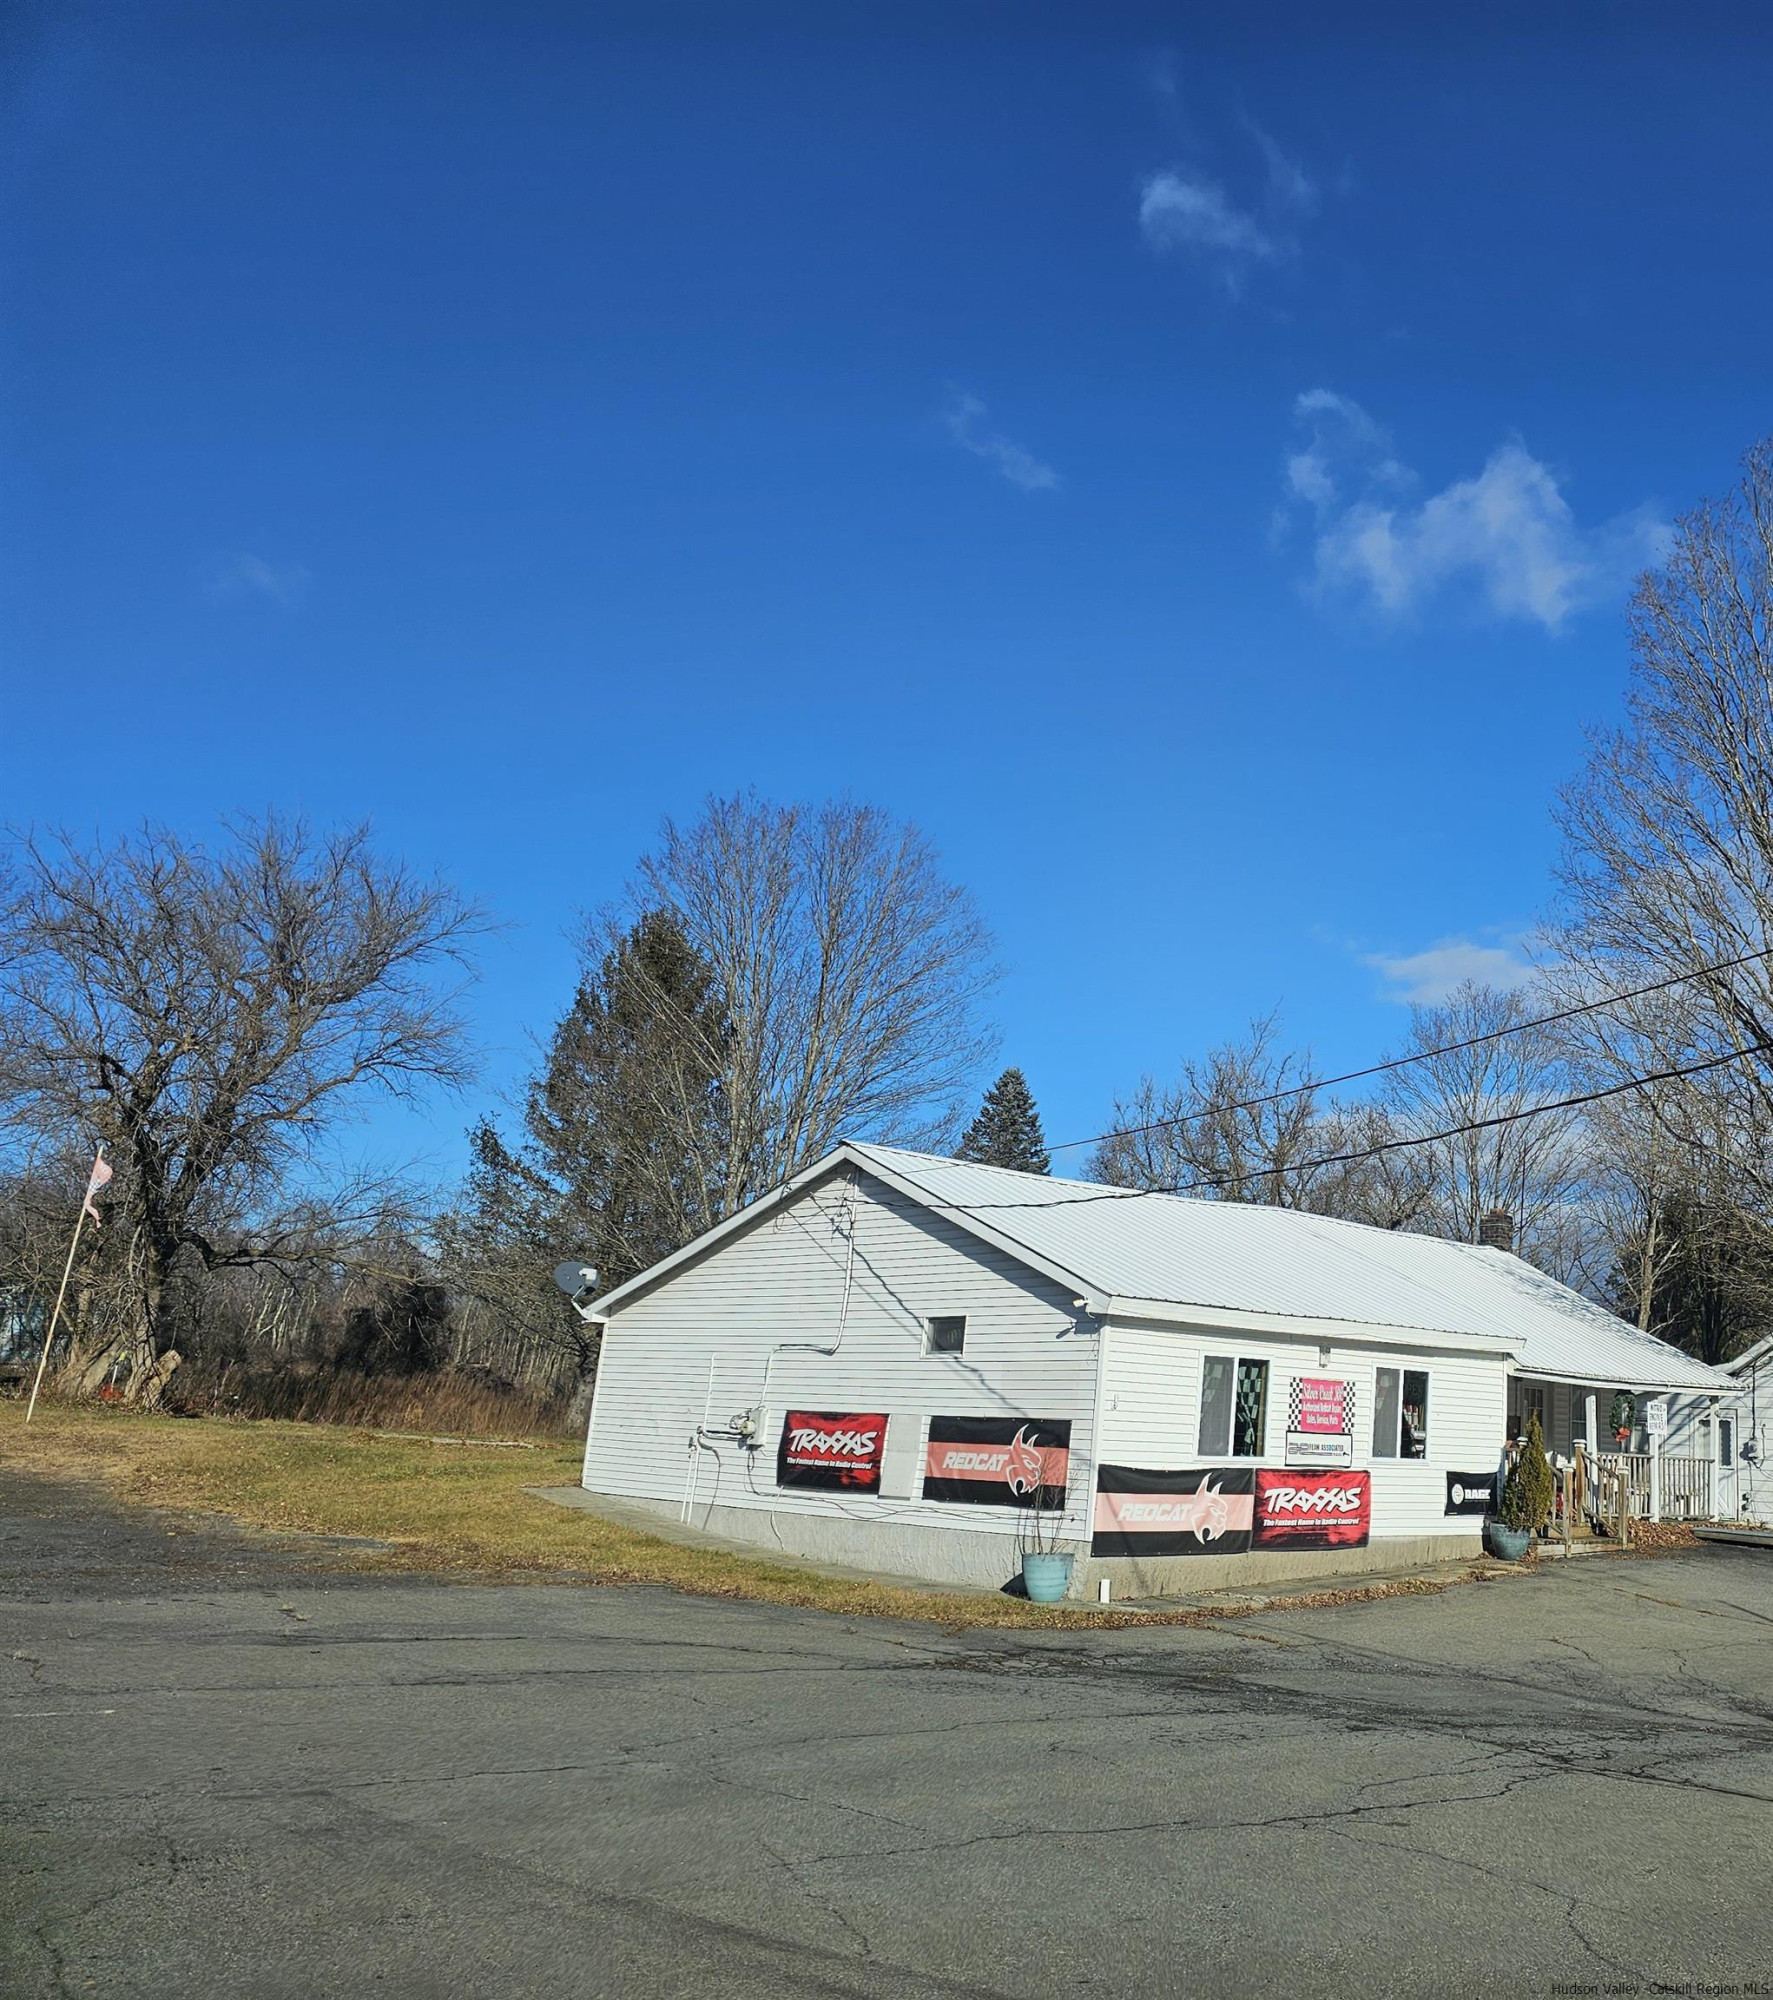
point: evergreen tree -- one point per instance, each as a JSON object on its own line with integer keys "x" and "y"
{"x": 1007, "y": 1131}
{"x": 626, "y": 1115}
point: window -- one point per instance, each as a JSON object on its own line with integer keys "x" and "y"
{"x": 1233, "y": 1407}
{"x": 1726, "y": 1441}
{"x": 1400, "y": 1413}
{"x": 1215, "y": 1406}
{"x": 945, "y": 1335}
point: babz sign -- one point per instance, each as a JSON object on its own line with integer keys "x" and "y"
{"x": 1141, "y": 1513}
{"x": 842, "y": 1452}
{"x": 997, "y": 1461}
{"x": 1320, "y": 1421}
{"x": 1312, "y": 1510}
{"x": 1471, "y": 1492}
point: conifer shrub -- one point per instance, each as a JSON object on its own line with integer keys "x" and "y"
{"x": 1527, "y": 1491}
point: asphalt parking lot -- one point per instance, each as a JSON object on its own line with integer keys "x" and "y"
{"x": 227, "y": 1770}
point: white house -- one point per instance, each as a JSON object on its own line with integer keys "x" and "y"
{"x": 895, "y": 1359}
{"x": 1745, "y": 1452}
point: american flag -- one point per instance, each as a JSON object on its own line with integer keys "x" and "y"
{"x": 101, "y": 1173}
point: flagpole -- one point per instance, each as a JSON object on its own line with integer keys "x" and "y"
{"x": 61, "y": 1293}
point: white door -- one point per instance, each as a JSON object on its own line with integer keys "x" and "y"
{"x": 1727, "y": 1501}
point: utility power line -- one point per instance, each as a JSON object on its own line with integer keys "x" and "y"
{"x": 1422, "y": 1055}
{"x": 1217, "y": 1184}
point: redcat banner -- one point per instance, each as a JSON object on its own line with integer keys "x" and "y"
{"x": 1312, "y": 1510}
{"x": 1141, "y": 1513}
{"x": 819, "y": 1449}
{"x": 997, "y": 1461}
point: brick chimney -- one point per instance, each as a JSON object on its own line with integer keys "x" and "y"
{"x": 1496, "y": 1229}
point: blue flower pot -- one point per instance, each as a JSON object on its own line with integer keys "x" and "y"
{"x": 1510, "y": 1544}
{"x": 1046, "y": 1578}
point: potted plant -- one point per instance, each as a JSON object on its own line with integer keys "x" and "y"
{"x": 1046, "y": 1568}
{"x": 1526, "y": 1497}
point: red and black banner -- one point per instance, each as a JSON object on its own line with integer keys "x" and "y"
{"x": 1141, "y": 1513}
{"x": 819, "y": 1449}
{"x": 1312, "y": 1510}
{"x": 998, "y": 1461}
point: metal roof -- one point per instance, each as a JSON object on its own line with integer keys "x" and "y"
{"x": 1229, "y": 1256}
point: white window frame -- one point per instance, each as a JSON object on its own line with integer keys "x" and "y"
{"x": 931, "y": 1321}
{"x": 1238, "y": 1363}
{"x": 1394, "y": 1453}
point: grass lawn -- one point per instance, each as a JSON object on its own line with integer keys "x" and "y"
{"x": 453, "y": 1507}
{"x": 461, "y": 1507}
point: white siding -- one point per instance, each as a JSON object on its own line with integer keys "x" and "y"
{"x": 695, "y": 1348}
{"x": 1690, "y": 1432}
{"x": 1151, "y": 1413}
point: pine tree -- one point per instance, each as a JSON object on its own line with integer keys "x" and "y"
{"x": 626, "y": 1111}
{"x": 1007, "y": 1131}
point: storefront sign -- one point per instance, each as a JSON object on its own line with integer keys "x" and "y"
{"x": 1656, "y": 1417}
{"x": 1312, "y": 1510}
{"x": 819, "y": 1449}
{"x": 1320, "y": 1421}
{"x": 997, "y": 1461}
{"x": 1471, "y": 1492}
{"x": 1140, "y": 1513}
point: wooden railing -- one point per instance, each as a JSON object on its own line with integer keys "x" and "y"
{"x": 1686, "y": 1491}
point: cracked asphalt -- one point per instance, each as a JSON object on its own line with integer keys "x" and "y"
{"x": 229, "y": 1768}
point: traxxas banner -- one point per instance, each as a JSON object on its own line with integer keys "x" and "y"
{"x": 1312, "y": 1510}
{"x": 998, "y": 1461}
{"x": 819, "y": 1449}
{"x": 1144, "y": 1513}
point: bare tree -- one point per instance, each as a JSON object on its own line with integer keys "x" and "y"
{"x": 1667, "y": 868}
{"x": 212, "y": 1015}
{"x": 1241, "y": 1123}
{"x": 846, "y": 977}
{"x": 1531, "y": 1167}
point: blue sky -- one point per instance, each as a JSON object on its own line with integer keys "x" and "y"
{"x": 1190, "y": 460}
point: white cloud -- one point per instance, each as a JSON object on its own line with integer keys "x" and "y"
{"x": 1178, "y": 211}
{"x": 283, "y": 583}
{"x": 965, "y": 418}
{"x": 1506, "y": 533}
{"x": 1182, "y": 209}
{"x": 1291, "y": 189}
{"x": 1430, "y": 977}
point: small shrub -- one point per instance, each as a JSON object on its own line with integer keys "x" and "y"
{"x": 1527, "y": 1491}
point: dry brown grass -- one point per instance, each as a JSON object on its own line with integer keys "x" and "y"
{"x": 459, "y": 1403}
{"x": 460, "y": 1507}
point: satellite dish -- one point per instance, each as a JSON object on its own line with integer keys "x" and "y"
{"x": 576, "y": 1279}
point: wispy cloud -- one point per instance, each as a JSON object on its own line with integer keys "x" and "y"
{"x": 966, "y": 420}
{"x": 1429, "y": 977}
{"x": 248, "y": 575}
{"x": 1187, "y": 211}
{"x": 1184, "y": 209}
{"x": 1507, "y": 533}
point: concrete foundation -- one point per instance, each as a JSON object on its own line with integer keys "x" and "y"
{"x": 1178, "y": 1576}
{"x": 972, "y": 1559}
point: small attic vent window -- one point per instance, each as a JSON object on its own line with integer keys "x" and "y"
{"x": 945, "y": 1335}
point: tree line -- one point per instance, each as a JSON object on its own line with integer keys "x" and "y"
{"x": 774, "y": 977}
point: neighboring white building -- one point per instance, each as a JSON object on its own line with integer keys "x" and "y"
{"x": 876, "y": 1364}
{"x": 1745, "y": 1455}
